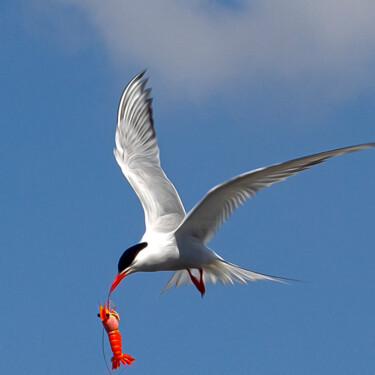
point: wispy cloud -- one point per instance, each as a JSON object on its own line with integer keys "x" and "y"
{"x": 322, "y": 45}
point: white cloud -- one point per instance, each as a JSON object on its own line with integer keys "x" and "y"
{"x": 319, "y": 45}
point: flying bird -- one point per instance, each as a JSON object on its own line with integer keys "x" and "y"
{"x": 173, "y": 240}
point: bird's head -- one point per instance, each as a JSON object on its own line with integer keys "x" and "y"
{"x": 125, "y": 263}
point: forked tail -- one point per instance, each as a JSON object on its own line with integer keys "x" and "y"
{"x": 220, "y": 271}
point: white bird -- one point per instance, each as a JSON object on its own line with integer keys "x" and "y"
{"x": 173, "y": 240}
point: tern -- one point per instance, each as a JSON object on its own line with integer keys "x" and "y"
{"x": 173, "y": 240}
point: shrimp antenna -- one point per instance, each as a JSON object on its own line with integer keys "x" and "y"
{"x": 105, "y": 359}
{"x": 109, "y": 294}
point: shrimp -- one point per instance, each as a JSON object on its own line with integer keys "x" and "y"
{"x": 110, "y": 319}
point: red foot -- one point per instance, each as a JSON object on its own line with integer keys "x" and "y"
{"x": 124, "y": 358}
{"x": 198, "y": 284}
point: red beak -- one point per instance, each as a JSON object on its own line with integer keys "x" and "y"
{"x": 116, "y": 281}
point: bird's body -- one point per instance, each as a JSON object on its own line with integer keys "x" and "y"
{"x": 173, "y": 240}
{"x": 170, "y": 252}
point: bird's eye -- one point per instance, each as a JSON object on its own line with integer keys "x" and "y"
{"x": 98, "y": 315}
{"x": 107, "y": 315}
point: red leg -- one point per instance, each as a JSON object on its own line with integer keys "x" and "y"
{"x": 198, "y": 284}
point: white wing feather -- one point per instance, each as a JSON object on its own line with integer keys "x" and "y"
{"x": 137, "y": 154}
{"x": 214, "y": 209}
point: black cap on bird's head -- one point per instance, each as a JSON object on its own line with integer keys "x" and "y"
{"x": 125, "y": 262}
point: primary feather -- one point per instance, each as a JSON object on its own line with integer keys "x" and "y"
{"x": 137, "y": 154}
{"x": 214, "y": 209}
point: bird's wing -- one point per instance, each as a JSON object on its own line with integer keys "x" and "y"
{"x": 213, "y": 210}
{"x": 137, "y": 154}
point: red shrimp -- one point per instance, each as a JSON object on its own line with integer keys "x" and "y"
{"x": 110, "y": 319}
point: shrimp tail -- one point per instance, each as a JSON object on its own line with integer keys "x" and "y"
{"x": 124, "y": 358}
{"x": 118, "y": 356}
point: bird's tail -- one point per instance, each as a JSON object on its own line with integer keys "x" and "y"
{"x": 220, "y": 271}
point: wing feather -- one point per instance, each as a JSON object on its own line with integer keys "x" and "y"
{"x": 218, "y": 204}
{"x": 137, "y": 154}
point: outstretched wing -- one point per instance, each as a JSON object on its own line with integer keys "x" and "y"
{"x": 137, "y": 154}
{"x": 210, "y": 213}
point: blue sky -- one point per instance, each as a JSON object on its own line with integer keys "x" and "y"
{"x": 236, "y": 86}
